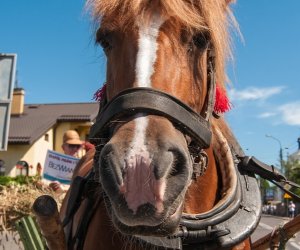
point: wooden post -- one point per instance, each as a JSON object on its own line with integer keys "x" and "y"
{"x": 279, "y": 236}
{"x": 45, "y": 209}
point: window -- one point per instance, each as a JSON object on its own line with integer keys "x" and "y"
{"x": 46, "y": 137}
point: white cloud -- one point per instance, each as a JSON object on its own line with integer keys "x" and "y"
{"x": 267, "y": 115}
{"x": 291, "y": 113}
{"x": 254, "y": 93}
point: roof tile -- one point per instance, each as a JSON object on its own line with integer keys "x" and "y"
{"x": 39, "y": 118}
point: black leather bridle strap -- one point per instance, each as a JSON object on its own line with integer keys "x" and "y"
{"x": 211, "y": 76}
{"x": 149, "y": 101}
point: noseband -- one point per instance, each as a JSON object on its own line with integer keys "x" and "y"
{"x": 149, "y": 101}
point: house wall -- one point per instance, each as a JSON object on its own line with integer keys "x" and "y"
{"x": 36, "y": 153}
{"x": 39, "y": 151}
{"x": 32, "y": 154}
{"x": 13, "y": 154}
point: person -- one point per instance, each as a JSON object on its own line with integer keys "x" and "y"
{"x": 292, "y": 208}
{"x": 2, "y": 167}
{"x": 71, "y": 146}
{"x": 71, "y": 143}
{"x": 39, "y": 169}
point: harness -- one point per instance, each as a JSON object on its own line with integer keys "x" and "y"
{"x": 232, "y": 219}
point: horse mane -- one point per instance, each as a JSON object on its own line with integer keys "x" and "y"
{"x": 213, "y": 16}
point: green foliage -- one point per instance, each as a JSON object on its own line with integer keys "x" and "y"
{"x": 19, "y": 180}
{"x": 292, "y": 172}
{"x": 264, "y": 184}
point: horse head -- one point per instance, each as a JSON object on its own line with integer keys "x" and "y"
{"x": 165, "y": 54}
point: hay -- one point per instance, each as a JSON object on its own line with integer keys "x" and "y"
{"x": 16, "y": 201}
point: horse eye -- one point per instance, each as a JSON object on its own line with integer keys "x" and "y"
{"x": 201, "y": 40}
{"x": 102, "y": 38}
{"x": 104, "y": 44}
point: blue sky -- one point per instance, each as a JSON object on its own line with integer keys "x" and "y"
{"x": 58, "y": 62}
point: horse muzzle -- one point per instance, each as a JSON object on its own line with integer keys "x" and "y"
{"x": 145, "y": 184}
{"x": 146, "y": 168}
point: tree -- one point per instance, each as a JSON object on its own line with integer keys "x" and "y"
{"x": 264, "y": 187}
{"x": 292, "y": 172}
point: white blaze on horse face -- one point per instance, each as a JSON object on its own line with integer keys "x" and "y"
{"x": 146, "y": 58}
{"x": 147, "y": 50}
{"x": 141, "y": 186}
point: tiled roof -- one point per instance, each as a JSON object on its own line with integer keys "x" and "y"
{"x": 38, "y": 118}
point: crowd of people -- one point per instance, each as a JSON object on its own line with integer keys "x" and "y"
{"x": 280, "y": 209}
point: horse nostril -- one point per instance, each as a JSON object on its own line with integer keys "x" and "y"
{"x": 179, "y": 164}
{"x": 176, "y": 170}
{"x": 110, "y": 166}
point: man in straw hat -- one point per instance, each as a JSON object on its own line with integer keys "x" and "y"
{"x": 71, "y": 143}
{"x": 71, "y": 146}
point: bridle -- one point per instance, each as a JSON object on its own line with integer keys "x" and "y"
{"x": 219, "y": 227}
{"x": 194, "y": 228}
{"x": 195, "y": 126}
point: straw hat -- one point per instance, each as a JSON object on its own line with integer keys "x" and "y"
{"x": 72, "y": 137}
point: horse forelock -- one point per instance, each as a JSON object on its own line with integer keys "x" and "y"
{"x": 213, "y": 16}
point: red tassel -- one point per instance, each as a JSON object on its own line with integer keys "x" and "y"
{"x": 88, "y": 146}
{"x": 100, "y": 93}
{"x": 222, "y": 103}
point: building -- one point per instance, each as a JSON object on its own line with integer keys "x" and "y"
{"x": 296, "y": 156}
{"x": 35, "y": 128}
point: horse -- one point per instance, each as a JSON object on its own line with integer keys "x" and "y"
{"x": 165, "y": 169}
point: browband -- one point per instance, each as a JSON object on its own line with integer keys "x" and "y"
{"x": 150, "y": 101}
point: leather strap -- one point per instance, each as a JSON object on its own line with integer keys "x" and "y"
{"x": 251, "y": 164}
{"x": 269, "y": 173}
{"x": 211, "y": 76}
{"x": 82, "y": 189}
{"x": 75, "y": 199}
{"x": 149, "y": 101}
